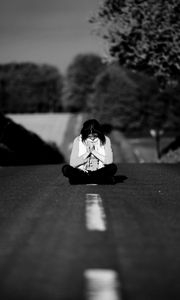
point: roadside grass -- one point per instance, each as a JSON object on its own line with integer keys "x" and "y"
{"x": 56, "y": 129}
{"x": 145, "y": 148}
{"x": 51, "y": 127}
{"x": 171, "y": 157}
{"x": 20, "y": 146}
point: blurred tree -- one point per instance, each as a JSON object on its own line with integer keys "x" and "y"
{"x": 29, "y": 87}
{"x": 174, "y": 108}
{"x": 115, "y": 99}
{"x": 126, "y": 98}
{"x": 51, "y": 83}
{"x": 143, "y": 35}
{"x": 79, "y": 79}
{"x": 157, "y": 110}
{"x": 148, "y": 90}
{"x": 158, "y": 117}
{"x": 3, "y": 94}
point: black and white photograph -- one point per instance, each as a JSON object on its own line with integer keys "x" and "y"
{"x": 89, "y": 149}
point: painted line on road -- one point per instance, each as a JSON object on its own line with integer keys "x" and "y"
{"x": 102, "y": 284}
{"x": 95, "y": 214}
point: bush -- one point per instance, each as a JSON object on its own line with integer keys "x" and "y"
{"x": 171, "y": 157}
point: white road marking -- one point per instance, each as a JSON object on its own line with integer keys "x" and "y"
{"x": 95, "y": 214}
{"x": 102, "y": 284}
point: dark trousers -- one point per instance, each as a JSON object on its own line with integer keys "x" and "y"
{"x": 103, "y": 175}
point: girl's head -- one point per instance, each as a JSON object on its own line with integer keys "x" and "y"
{"x": 92, "y": 129}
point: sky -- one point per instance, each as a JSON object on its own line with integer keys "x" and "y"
{"x": 47, "y": 31}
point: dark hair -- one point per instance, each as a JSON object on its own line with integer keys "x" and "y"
{"x": 92, "y": 126}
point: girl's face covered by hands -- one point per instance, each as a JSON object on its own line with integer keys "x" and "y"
{"x": 91, "y": 147}
{"x": 91, "y": 140}
{"x": 92, "y": 136}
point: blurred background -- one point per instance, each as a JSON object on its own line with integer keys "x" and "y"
{"x": 63, "y": 62}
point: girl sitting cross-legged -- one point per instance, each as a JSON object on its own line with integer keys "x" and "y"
{"x": 91, "y": 159}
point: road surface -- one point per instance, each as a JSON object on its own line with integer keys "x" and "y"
{"x": 68, "y": 242}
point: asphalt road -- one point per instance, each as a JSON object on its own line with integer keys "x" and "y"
{"x": 46, "y": 247}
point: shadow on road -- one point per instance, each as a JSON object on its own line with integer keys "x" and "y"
{"x": 120, "y": 178}
{"x": 117, "y": 179}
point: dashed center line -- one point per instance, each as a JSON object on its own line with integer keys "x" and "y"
{"x": 95, "y": 214}
{"x": 101, "y": 284}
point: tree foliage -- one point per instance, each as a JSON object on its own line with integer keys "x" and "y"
{"x": 79, "y": 80}
{"x": 157, "y": 112}
{"x": 116, "y": 99}
{"x": 132, "y": 102}
{"x": 164, "y": 110}
{"x": 143, "y": 35}
{"x": 29, "y": 87}
{"x": 174, "y": 107}
{"x": 148, "y": 91}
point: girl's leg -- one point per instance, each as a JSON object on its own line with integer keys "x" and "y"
{"x": 107, "y": 170}
{"x": 74, "y": 174}
{"x": 105, "y": 174}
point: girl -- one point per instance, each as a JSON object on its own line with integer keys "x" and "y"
{"x": 91, "y": 159}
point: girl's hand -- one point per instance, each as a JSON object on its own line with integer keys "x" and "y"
{"x": 91, "y": 147}
{"x": 86, "y": 160}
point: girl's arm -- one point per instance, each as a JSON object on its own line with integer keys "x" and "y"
{"x": 75, "y": 160}
{"x": 108, "y": 158}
